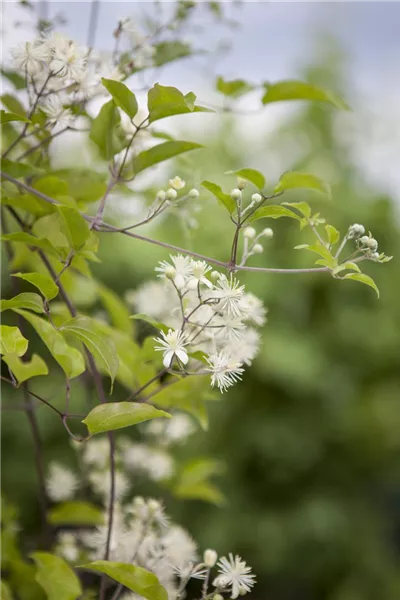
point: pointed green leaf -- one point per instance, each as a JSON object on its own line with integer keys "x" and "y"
{"x": 30, "y": 240}
{"x": 76, "y": 513}
{"x": 18, "y": 169}
{"x": 16, "y": 79}
{"x": 116, "y": 415}
{"x": 138, "y": 580}
{"x": 293, "y": 179}
{"x": 25, "y": 370}
{"x": 300, "y": 90}
{"x": 255, "y": 177}
{"x": 56, "y": 577}
{"x": 104, "y": 131}
{"x": 7, "y": 117}
{"x": 332, "y": 233}
{"x": 122, "y": 96}
{"x": 43, "y": 282}
{"x": 27, "y": 300}
{"x": 103, "y": 349}
{"x": 234, "y": 88}
{"x": 168, "y": 51}
{"x": 362, "y": 278}
{"x": 74, "y": 226}
{"x": 150, "y": 321}
{"x": 163, "y": 101}
{"x": 274, "y": 211}
{"x": 12, "y": 341}
{"x": 69, "y": 358}
{"x": 205, "y": 491}
{"x": 222, "y": 197}
{"x": 303, "y": 207}
{"x": 161, "y": 152}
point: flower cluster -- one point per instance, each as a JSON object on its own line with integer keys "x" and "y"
{"x": 209, "y": 319}
{"x": 142, "y": 533}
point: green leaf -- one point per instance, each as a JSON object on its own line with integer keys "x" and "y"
{"x": 293, "y": 179}
{"x": 27, "y": 300}
{"x": 350, "y": 266}
{"x": 75, "y": 227}
{"x": 7, "y": 117}
{"x": 163, "y": 101}
{"x": 116, "y": 309}
{"x": 84, "y": 185}
{"x": 56, "y": 578}
{"x": 69, "y": 358}
{"x": 138, "y": 580}
{"x": 362, "y": 278}
{"x": 168, "y": 51}
{"x": 205, "y": 491}
{"x": 18, "y": 169}
{"x": 25, "y": 370}
{"x": 12, "y": 341}
{"x": 103, "y": 349}
{"x": 43, "y": 282}
{"x": 122, "y": 96}
{"x": 161, "y": 152}
{"x": 5, "y": 592}
{"x": 302, "y": 207}
{"x": 274, "y": 211}
{"x": 150, "y": 321}
{"x": 332, "y": 233}
{"x": 300, "y": 90}
{"x": 234, "y": 88}
{"x": 255, "y": 177}
{"x": 192, "y": 482}
{"x": 76, "y": 513}
{"x": 104, "y": 131}
{"x": 13, "y": 104}
{"x": 222, "y": 197}
{"x": 16, "y": 79}
{"x": 116, "y": 415}
{"x": 30, "y": 240}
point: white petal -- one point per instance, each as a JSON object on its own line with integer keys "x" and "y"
{"x": 182, "y": 355}
{"x": 168, "y": 356}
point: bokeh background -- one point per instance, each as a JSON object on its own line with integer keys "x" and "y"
{"x": 310, "y": 438}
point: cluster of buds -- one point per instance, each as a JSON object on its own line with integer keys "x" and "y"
{"x": 251, "y": 241}
{"x": 175, "y": 185}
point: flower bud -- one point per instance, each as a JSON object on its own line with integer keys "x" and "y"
{"x": 177, "y": 183}
{"x": 250, "y": 233}
{"x": 372, "y": 244}
{"x": 256, "y": 198}
{"x": 236, "y": 194}
{"x": 161, "y": 195}
{"x": 364, "y": 240}
{"x": 218, "y": 597}
{"x": 171, "y": 194}
{"x": 154, "y": 505}
{"x": 241, "y": 183}
{"x": 215, "y": 275}
{"x": 194, "y": 193}
{"x": 375, "y": 255}
{"x": 170, "y": 272}
{"x": 268, "y": 233}
{"x": 138, "y": 501}
{"x": 355, "y": 231}
{"x": 258, "y": 249}
{"x": 210, "y": 558}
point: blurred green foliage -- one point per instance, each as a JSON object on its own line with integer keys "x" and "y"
{"x": 310, "y": 439}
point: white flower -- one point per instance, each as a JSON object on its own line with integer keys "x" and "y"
{"x": 29, "y": 57}
{"x": 58, "y": 116}
{"x": 183, "y": 268}
{"x": 96, "y": 453}
{"x": 172, "y": 344}
{"x": 153, "y": 298}
{"x": 253, "y": 309}
{"x": 69, "y": 59}
{"x": 101, "y": 483}
{"x": 177, "y": 183}
{"x": 230, "y": 293}
{"x": 61, "y": 483}
{"x": 247, "y": 349}
{"x": 180, "y": 548}
{"x": 236, "y": 574}
{"x": 225, "y": 371}
{"x": 228, "y": 328}
{"x": 199, "y": 271}
{"x": 148, "y": 511}
{"x": 67, "y": 546}
{"x": 178, "y": 428}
